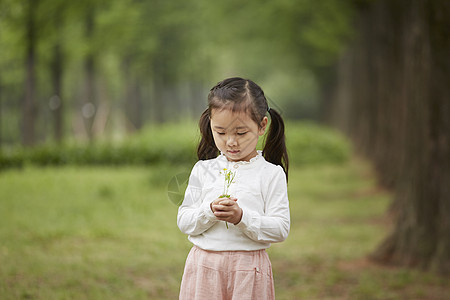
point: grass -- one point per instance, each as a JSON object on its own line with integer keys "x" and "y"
{"x": 110, "y": 233}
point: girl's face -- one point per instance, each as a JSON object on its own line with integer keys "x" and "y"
{"x": 236, "y": 134}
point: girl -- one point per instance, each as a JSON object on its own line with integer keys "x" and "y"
{"x": 236, "y": 201}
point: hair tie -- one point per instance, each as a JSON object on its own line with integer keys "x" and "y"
{"x": 268, "y": 109}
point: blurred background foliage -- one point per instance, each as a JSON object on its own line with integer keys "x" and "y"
{"x": 124, "y": 81}
{"x": 84, "y": 70}
{"x": 175, "y": 144}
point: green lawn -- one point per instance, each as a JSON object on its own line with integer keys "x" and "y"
{"x": 110, "y": 233}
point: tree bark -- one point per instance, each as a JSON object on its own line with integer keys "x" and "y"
{"x": 393, "y": 89}
{"x": 439, "y": 175}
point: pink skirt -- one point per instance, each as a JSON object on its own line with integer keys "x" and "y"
{"x": 227, "y": 275}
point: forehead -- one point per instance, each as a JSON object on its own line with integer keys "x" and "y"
{"x": 225, "y": 118}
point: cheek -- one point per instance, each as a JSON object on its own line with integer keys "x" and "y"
{"x": 249, "y": 139}
{"x": 218, "y": 139}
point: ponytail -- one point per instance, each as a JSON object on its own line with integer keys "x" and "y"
{"x": 275, "y": 144}
{"x": 243, "y": 95}
{"x": 206, "y": 148}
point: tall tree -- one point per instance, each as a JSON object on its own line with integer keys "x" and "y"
{"x": 1, "y": 111}
{"x": 89, "y": 101}
{"x": 393, "y": 90}
{"x": 58, "y": 11}
{"x": 29, "y": 106}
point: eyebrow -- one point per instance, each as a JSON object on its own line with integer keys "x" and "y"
{"x": 239, "y": 127}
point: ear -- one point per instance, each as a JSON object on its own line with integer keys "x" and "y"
{"x": 263, "y": 126}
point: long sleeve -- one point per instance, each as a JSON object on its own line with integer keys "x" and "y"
{"x": 274, "y": 224}
{"x": 261, "y": 191}
{"x": 195, "y": 215}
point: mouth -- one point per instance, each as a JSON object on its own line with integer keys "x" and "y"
{"x": 233, "y": 152}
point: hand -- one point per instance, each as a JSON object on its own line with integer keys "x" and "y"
{"x": 227, "y": 209}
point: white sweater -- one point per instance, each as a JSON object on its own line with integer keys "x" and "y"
{"x": 261, "y": 190}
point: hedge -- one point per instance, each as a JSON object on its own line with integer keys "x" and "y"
{"x": 308, "y": 144}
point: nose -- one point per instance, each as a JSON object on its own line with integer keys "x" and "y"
{"x": 231, "y": 140}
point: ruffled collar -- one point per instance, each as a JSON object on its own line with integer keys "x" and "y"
{"x": 257, "y": 157}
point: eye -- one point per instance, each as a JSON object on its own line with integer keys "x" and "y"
{"x": 242, "y": 133}
{"x": 220, "y": 133}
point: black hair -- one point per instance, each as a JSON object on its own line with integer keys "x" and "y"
{"x": 238, "y": 94}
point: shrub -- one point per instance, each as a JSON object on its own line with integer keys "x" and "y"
{"x": 310, "y": 143}
{"x": 174, "y": 144}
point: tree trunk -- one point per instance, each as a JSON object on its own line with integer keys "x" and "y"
{"x": 133, "y": 105}
{"x": 393, "y": 86}
{"x": 89, "y": 102}
{"x": 159, "y": 98}
{"x": 56, "y": 103}
{"x": 1, "y": 118}
{"x": 439, "y": 171}
{"x": 29, "y": 106}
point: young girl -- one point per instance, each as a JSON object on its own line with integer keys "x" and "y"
{"x": 236, "y": 202}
